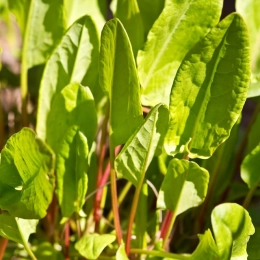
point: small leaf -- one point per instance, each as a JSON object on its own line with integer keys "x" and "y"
{"x": 16, "y": 229}
{"x": 91, "y": 246}
{"x": 74, "y": 60}
{"x": 232, "y": 227}
{"x": 118, "y": 77}
{"x": 120, "y": 253}
{"x": 168, "y": 43}
{"x": 128, "y": 13}
{"x": 184, "y": 186}
{"x": 207, "y": 248}
{"x": 209, "y": 90}
{"x": 27, "y": 178}
{"x": 250, "y": 168}
{"x": 72, "y": 165}
{"x": 135, "y": 157}
{"x": 74, "y": 105}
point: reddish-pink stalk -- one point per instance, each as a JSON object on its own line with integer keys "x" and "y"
{"x": 67, "y": 240}
{"x": 3, "y": 245}
{"x": 166, "y": 223}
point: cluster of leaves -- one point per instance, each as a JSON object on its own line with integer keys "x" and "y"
{"x": 151, "y": 99}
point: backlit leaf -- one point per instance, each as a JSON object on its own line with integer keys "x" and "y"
{"x": 72, "y": 165}
{"x": 232, "y": 227}
{"x": 74, "y": 60}
{"x": 26, "y": 176}
{"x": 209, "y": 90}
{"x": 136, "y": 155}
{"x": 91, "y": 246}
{"x": 184, "y": 186}
{"x": 118, "y": 77}
{"x": 168, "y": 42}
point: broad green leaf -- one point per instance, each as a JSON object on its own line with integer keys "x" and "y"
{"x": 253, "y": 248}
{"x": 74, "y": 60}
{"x": 209, "y": 90}
{"x": 118, "y": 77}
{"x": 120, "y": 253}
{"x": 74, "y": 105}
{"x": 232, "y": 227}
{"x": 26, "y": 176}
{"x": 40, "y": 33}
{"x": 77, "y": 8}
{"x": 207, "y": 248}
{"x": 184, "y": 186}
{"x": 250, "y": 168}
{"x": 136, "y": 155}
{"x": 72, "y": 165}
{"x": 91, "y": 246}
{"x": 128, "y": 13}
{"x": 168, "y": 42}
{"x": 150, "y": 13}
{"x": 16, "y": 229}
{"x": 250, "y": 9}
{"x": 254, "y": 89}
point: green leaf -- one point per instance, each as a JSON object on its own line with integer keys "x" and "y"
{"x": 74, "y": 60}
{"x": 184, "y": 186}
{"x": 77, "y": 8}
{"x": 120, "y": 253}
{"x": 72, "y": 165}
{"x": 118, "y": 77}
{"x": 250, "y": 9}
{"x": 207, "y": 248}
{"x": 135, "y": 157}
{"x": 91, "y": 246}
{"x": 253, "y": 136}
{"x": 46, "y": 251}
{"x": 41, "y": 34}
{"x": 254, "y": 89}
{"x": 16, "y": 229}
{"x": 232, "y": 227}
{"x": 74, "y": 105}
{"x": 209, "y": 90}
{"x": 128, "y": 13}
{"x": 27, "y": 178}
{"x": 168, "y": 43}
{"x": 250, "y": 168}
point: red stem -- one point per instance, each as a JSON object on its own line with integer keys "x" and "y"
{"x": 3, "y": 245}
{"x": 166, "y": 223}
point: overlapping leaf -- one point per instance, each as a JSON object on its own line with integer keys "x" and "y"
{"x": 77, "y": 8}
{"x": 41, "y": 34}
{"x": 92, "y": 245}
{"x": 135, "y": 157}
{"x": 74, "y": 105}
{"x": 72, "y": 165}
{"x": 118, "y": 77}
{"x": 26, "y": 176}
{"x": 209, "y": 90}
{"x": 184, "y": 186}
{"x": 74, "y": 60}
{"x": 168, "y": 42}
{"x": 232, "y": 227}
